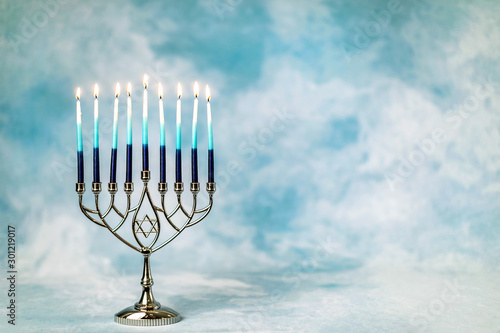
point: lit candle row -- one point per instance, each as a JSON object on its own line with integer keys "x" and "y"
{"x": 145, "y": 150}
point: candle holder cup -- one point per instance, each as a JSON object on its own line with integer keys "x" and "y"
{"x": 147, "y": 311}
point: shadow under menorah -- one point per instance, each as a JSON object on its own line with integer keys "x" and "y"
{"x": 147, "y": 311}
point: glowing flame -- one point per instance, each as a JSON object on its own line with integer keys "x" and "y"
{"x": 96, "y": 90}
{"x": 160, "y": 90}
{"x": 207, "y": 93}
{"x": 78, "y": 93}
{"x": 145, "y": 81}
{"x": 117, "y": 90}
{"x": 179, "y": 90}
{"x": 196, "y": 89}
{"x": 129, "y": 88}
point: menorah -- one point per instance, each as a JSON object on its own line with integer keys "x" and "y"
{"x": 147, "y": 311}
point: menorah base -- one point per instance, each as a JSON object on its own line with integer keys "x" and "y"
{"x": 159, "y": 317}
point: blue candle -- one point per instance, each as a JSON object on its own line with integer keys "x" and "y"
{"x": 210, "y": 139}
{"x": 145, "y": 150}
{"x": 162, "y": 136}
{"x": 194, "y": 141}
{"x": 112, "y": 177}
{"x": 96, "y": 135}
{"x": 178, "y": 162}
{"x": 128, "y": 173}
{"x": 79, "y": 140}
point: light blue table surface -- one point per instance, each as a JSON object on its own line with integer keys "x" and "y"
{"x": 364, "y": 299}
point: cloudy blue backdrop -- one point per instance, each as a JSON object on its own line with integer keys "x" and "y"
{"x": 357, "y": 155}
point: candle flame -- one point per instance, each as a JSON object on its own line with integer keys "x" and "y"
{"x": 207, "y": 93}
{"x": 78, "y": 93}
{"x": 160, "y": 90}
{"x": 196, "y": 89}
{"x": 129, "y": 88}
{"x": 117, "y": 91}
{"x": 96, "y": 90}
{"x": 145, "y": 81}
{"x": 179, "y": 90}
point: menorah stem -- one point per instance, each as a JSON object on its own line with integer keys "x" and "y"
{"x": 147, "y": 301}
{"x": 147, "y": 312}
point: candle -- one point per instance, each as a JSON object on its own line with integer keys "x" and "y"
{"x": 210, "y": 139}
{"x": 79, "y": 140}
{"x": 96, "y": 135}
{"x": 194, "y": 141}
{"x": 128, "y": 176}
{"x": 112, "y": 177}
{"x": 178, "y": 163}
{"x": 145, "y": 151}
{"x": 162, "y": 135}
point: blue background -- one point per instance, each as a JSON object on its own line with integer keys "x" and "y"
{"x": 357, "y": 162}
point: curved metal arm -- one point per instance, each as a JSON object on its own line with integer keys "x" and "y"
{"x": 109, "y": 228}
{"x": 124, "y": 217}
{"x": 209, "y": 206}
{"x": 145, "y": 193}
{"x": 207, "y": 210}
{"x": 111, "y": 205}
{"x": 86, "y": 212}
{"x": 180, "y": 230}
{"x": 117, "y": 211}
{"x": 168, "y": 216}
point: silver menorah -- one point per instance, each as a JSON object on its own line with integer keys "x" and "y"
{"x": 147, "y": 311}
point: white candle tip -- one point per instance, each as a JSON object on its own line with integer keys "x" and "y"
{"x": 78, "y": 93}
{"x": 207, "y": 93}
{"x": 129, "y": 88}
{"x": 196, "y": 89}
{"x": 117, "y": 90}
{"x": 179, "y": 90}
{"x": 145, "y": 81}
{"x": 96, "y": 90}
{"x": 160, "y": 90}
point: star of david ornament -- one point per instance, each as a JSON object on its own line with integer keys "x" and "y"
{"x": 146, "y": 224}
